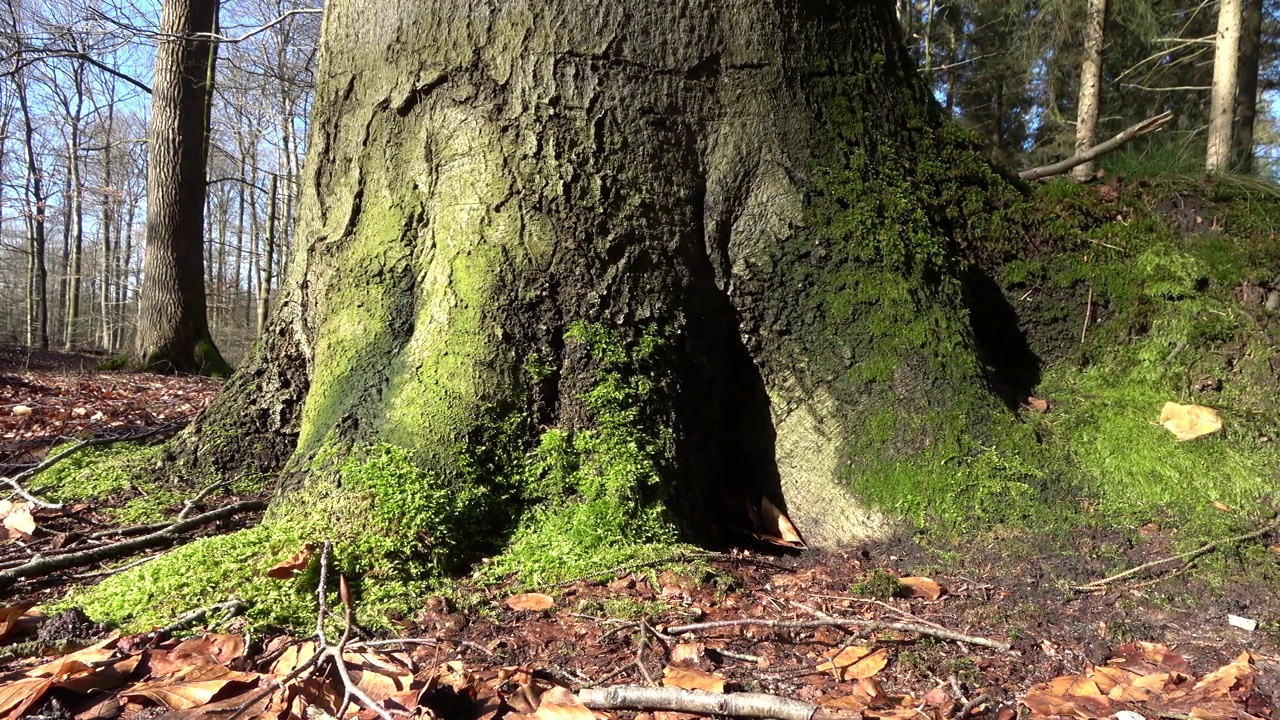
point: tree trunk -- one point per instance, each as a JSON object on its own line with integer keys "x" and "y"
{"x": 173, "y": 326}
{"x": 1090, "y": 85}
{"x": 646, "y": 268}
{"x": 37, "y": 273}
{"x": 1222, "y": 104}
{"x": 1247, "y": 85}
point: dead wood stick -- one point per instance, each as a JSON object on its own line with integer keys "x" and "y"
{"x": 1145, "y": 127}
{"x": 1190, "y": 555}
{"x": 843, "y": 622}
{"x": 43, "y": 565}
{"x": 743, "y": 705}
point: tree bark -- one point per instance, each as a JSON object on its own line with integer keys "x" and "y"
{"x": 1090, "y": 86}
{"x": 725, "y": 217}
{"x": 173, "y": 326}
{"x": 1247, "y": 85}
{"x": 1223, "y": 100}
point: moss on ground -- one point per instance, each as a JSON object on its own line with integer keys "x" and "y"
{"x": 121, "y": 478}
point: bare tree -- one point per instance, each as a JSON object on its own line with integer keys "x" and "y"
{"x": 173, "y": 328}
{"x": 1223, "y": 95}
{"x": 1090, "y": 85}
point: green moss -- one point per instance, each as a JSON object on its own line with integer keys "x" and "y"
{"x": 96, "y": 473}
{"x": 207, "y": 571}
{"x": 877, "y": 584}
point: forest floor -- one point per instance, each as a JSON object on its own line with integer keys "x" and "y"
{"x": 989, "y": 627}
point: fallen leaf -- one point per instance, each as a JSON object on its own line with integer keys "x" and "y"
{"x": 17, "y": 520}
{"x": 292, "y": 565}
{"x": 21, "y": 410}
{"x": 189, "y": 688}
{"x": 530, "y": 601}
{"x": 1188, "y": 422}
{"x": 921, "y": 587}
{"x": 685, "y": 653}
{"x": 1037, "y": 404}
{"x": 774, "y": 519}
{"x": 9, "y": 617}
{"x": 561, "y": 704}
{"x": 673, "y": 676}
{"x": 855, "y": 662}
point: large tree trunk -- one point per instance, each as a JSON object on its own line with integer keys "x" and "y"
{"x": 173, "y": 325}
{"x": 705, "y": 252}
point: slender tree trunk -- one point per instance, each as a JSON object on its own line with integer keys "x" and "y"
{"x": 72, "y": 320}
{"x": 37, "y": 274}
{"x": 266, "y": 268}
{"x": 1090, "y": 85}
{"x": 1223, "y": 100}
{"x": 173, "y": 326}
{"x": 106, "y": 218}
{"x": 1247, "y": 85}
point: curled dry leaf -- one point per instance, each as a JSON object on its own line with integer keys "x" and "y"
{"x": 1037, "y": 404}
{"x": 189, "y": 688}
{"x": 688, "y": 653}
{"x": 1188, "y": 422}
{"x": 17, "y": 521}
{"x": 778, "y": 526}
{"x": 854, "y": 662}
{"x": 922, "y": 587}
{"x": 673, "y": 676}
{"x": 21, "y": 410}
{"x": 294, "y": 564}
{"x": 560, "y": 704}
{"x": 530, "y": 601}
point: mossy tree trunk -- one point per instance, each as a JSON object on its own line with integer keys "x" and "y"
{"x": 659, "y": 261}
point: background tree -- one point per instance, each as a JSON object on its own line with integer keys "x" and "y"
{"x": 1090, "y": 85}
{"x": 173, "y": 330}
{"x": 1223, "y": 98}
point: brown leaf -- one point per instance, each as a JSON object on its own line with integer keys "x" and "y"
{"x": 530, "y": 601}
{"x": 189, "y": 688}
{"x": 9, "y": 617}
{"x": 560, "y": 704}
{"x": 293, "y": 565}
{"x": 17, "y": 520}
{"x": 18, "y": 696}
{"x": 936, "y": 697}
{"x": 1188, "y": 422}
{"x": 673, "y": 676}
{"x": 1037, "y": 404}
{"x": 688, "y": 653}
{"x": 774, "y": 520}
{"x": 922, "y": 587}
{"x": 855, "y": 662}
{"x": 220, "y": 647}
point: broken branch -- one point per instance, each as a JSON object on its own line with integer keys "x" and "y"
{"x": 1145, "y": 127}
{"x": 744, "y": 705}
{"x": 869, "y": 625}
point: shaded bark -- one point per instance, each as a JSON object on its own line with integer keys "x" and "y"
{"x": 780, "y": 205}
{"x": 173, "y": 326}
{"x": 1090, "y": 85}
{"x": 1247, "y": 85}
{"x": 1222, "y": 102}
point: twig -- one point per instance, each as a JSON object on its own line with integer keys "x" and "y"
{"x": 15, "y": 482}
{"x": 744, "y": 705}
{"x": 275, "y": 685}
{"x": 969, "y": 706}
{"x": 613, "y": 674}
{"x": 190, "y": 505}
{"x": 1088, "y": 314}
{"x": 640, "y": 645}
{"x": 843, "y": 622}
{"x": 41, "y": 566}
{"x": 231, "y": 607}
{"x": 1191, "y": 555}
{"x": 1145, "y": 127}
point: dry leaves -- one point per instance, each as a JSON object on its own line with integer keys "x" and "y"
{"x": 530, "y": 601}
{"x": 854, "y": 662}
{"x": 673, "y": 676}
{"x": 1153, "y": 680}
{"x": 1188, "y": 422}
{"x": 922, "y": 587}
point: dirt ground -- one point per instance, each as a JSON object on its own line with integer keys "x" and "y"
{"x": 987, "y": 627}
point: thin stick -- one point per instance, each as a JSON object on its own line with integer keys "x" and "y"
{"x": 843, "y": 622}
{"x": 744, "y": 705}
{"x": 1088, "y": 314}
{"x": 1101, "y": 584}
{"x": 1145, "y": 127}
{"x": 40, "y": 566}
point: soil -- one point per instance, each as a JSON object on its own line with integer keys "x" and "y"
{"x": 1015, "y": 590}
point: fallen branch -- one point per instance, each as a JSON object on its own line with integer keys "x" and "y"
{"x": 1102, "y": 584}
{"x": 41, "y": 566}
{"x": 868, "y": 625}
{"x": 672, "y": 699}
{"x": 1145, "y": 127}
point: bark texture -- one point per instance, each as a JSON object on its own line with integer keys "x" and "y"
{"x": 764, "y": 186}
{"x": 1222, "y": 102}
{"x": 1090, "y": 85}
{"x": 173, "y": 326}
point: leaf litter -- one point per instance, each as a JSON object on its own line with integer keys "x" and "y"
{"x": 774, "y": 636}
